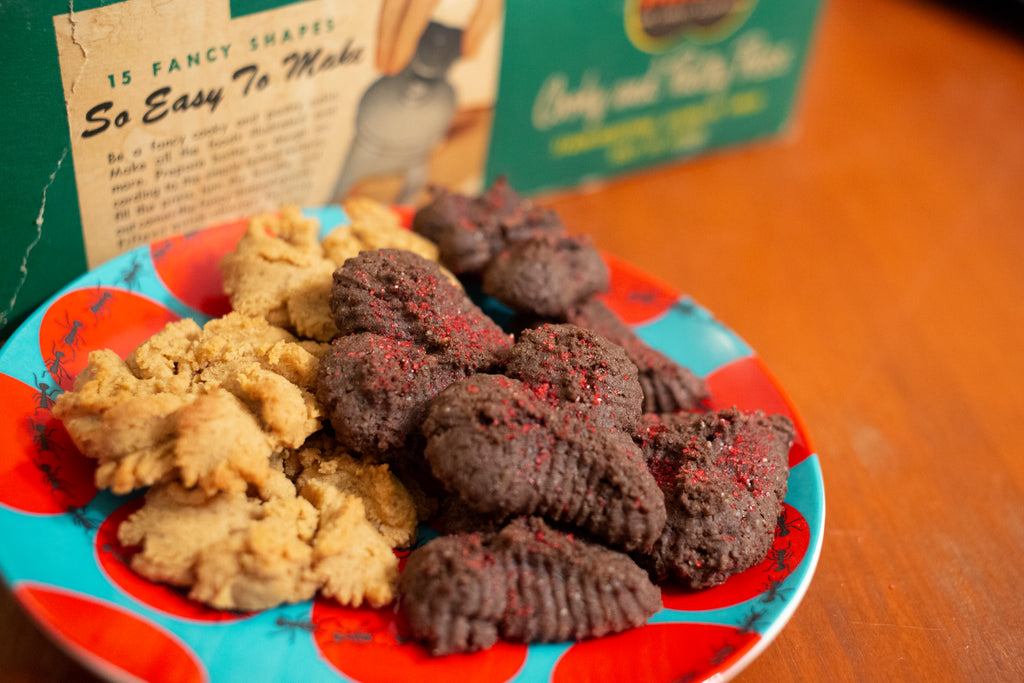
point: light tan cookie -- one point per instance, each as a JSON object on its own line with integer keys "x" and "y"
{"x": 219, "y": 445}
{"x": 230, "y": 550}
{"x": 351, "y": 560}
{"x": 205, "y": 406}
{"x": 126, "y": 423}
{"x": 238, "y": 552}
{"x": 261, "y": 271}
{"x": 373, "y": 226}
{"x": 308, "y": 302}
{"x": 279, "y": 270}
{"x": 389, "y": 506}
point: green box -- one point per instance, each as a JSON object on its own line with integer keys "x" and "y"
{"x": 131, "y": 121}
{"x": 587, "y": 91}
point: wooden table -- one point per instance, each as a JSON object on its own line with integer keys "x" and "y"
{"x": 872, "y": 258}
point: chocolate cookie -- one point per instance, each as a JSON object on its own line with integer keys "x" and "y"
{"x": 404, "y": 296}
{"x": 577, "y": 366}
{"x": 724, "y": 475}
{"x": 527, "y": 583}
{"x": 546, "y": 274}
{"x": 376, "y": 390}
{"x": 470, "y": 231}
{"x": 406, "y": 333}
{"x": 667, "y": 385}
{"x": 501, "y": 445}
{"x": 455, "y": 516}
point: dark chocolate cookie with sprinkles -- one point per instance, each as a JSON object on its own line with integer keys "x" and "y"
{"x": 667, "y": 385}
{"x": 506, "y": 448}
{"x": 546, "y": 274}
{"x": 376, "y": 390}
{"x": 406, "y": 332}
{"x": 455, "y": 516}
{"x": 470, "y": 231}
{"x": 581, "y": 368}
{"x": 724, "y": 475}
{"x": 526, "y": 583}
{"x": 460, "y": 227}
{"x": 401, "y": 295}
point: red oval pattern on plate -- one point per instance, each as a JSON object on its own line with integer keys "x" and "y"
{"x": 633, "y": 294}
{"x": 363, "y": 643}
{"x": 188, "y": 265}
{"x": 792, "y": 537}
{"x": 371, "y": 645}
{"x": 124, "y": 642}
{"x": 405, "y": 215}
{"x": 656, "y": 652}
{"x": 41, "y": 470}
{"x": 84, "y": 320}
{"x": 747, "y": 384}
{"x": 114, "y": 558}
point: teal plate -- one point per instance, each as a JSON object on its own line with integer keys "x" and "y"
{"x": 60, "y": 556}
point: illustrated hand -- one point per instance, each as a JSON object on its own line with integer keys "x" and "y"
{"x": 486, "y": 14}
{"x": 402, "y": 22}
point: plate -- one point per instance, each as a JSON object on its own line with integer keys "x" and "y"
{"x": 60, "y": 556}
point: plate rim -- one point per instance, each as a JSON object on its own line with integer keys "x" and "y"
{"x": 102, "y": 668}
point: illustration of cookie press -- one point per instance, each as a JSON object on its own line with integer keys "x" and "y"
{"x": 401, "y": 118}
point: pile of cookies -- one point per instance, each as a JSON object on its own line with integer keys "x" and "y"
{"x": 249, "y": 503}
{"x": 357, "y": 391}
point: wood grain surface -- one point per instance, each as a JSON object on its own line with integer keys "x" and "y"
{"x": 872, "y": 257}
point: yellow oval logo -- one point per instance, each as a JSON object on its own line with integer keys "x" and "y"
{"x": 658, "y": 25}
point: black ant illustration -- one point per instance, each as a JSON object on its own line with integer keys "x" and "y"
{"x": 81, "y": 519}
{"x": 774, "y": 591}
{"x": 355, "y": 637}
{"x": 642, "y": 296}
{"x": 55, "y": 364}
{"x": 781, "y": 558}
{"x": 130, "y": 275}
{"x": 50, "y": 476}
{"x": 73, "y": 333}
{"x": 100, "y": 304}
{"x": 361, "y": 633}
{"x": 42, "y": 438}
{"x": 122, "y": 557}
{"x": 293, "y": 626}
{"x": 686, "y": 307}
{"x": 45, "y": 395}
{"x": 404, "y": 551}
{"x": 785, "y": 526}
{"x": 727, "y": 649}
{"x": 688, "y": 677}
{"x": 159, "y": 251}
{"x": 749, "y": 623}
{"x": 722, "y": 654}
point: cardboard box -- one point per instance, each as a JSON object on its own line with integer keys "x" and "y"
{"x": 130, "y": 121}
